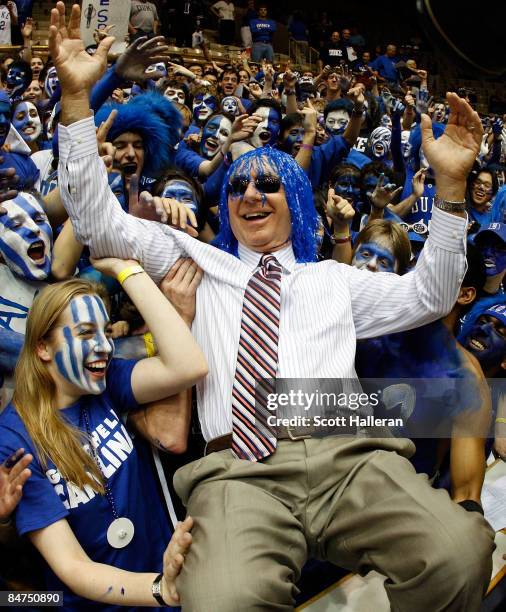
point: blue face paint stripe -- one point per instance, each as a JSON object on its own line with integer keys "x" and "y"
{"x": 74, "y": 311}
{"x": 67, "y": 333}
{"x": 12, "y": 256}
{"x": 101, "y": 308}
{"x": 61, "y": 365}
{"x": 89, "y": 307}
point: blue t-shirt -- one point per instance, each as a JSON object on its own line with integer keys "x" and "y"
{"x": 325, "y": 158}
{"x": 187, "y": 160}
{"x": 385, "y": 66}
{"x": 262, "y": 30}
{"x": 47, "y": 498}
{"x": 422, "y": 208}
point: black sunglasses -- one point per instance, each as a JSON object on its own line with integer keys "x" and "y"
{"x": 264, "y": 183}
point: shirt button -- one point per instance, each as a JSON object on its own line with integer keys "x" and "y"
{"x": 73, "y": 190}
{"x": 455, "y": 235}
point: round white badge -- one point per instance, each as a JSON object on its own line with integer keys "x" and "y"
{"x": 120, "y": 532}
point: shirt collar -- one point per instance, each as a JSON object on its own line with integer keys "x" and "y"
{"x": 251, "y": 259}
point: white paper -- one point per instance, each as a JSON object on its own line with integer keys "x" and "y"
{"x": 493, "y": 499}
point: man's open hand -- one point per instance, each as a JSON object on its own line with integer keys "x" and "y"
{"x": 453, "y": 154}
{"x": 77, "y": 71}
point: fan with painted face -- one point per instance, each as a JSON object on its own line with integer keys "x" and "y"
{"x": 27, "y": 122}
{"x": 26, "y": 238}
{"x": 379, "y": 142}
{"x": 230, "y": 104}
{"x": 204, "y": 105}
{"x": 214, "y": 135}
{"x": 19, "y": 77}
{"x": 51, "y": 81}
{"x": 267, "y": 131}
{"x": 5, "y": 116}
{"x": 174, "y": 94}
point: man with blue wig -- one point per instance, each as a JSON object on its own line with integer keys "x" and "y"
{"x": 264, "y": 499}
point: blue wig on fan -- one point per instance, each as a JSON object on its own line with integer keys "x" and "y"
{"x": 305, "y": 219}
{"x": 156, "y": 120}
{"x": 415, "y": 140}
{"x": 475, "y": 313}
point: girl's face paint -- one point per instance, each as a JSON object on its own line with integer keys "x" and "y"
{"x": 230, "y": 105}
{"x": 487, "y": 341}
{"x": 374, "y": 256}
{"x": 26, "y": 238}
{"x": 84, "y": 348}
{"x": 405, "y": 144}
{"x": 27, "y": 122}
{"x": 336, "y": 122}
{"x": 267, "y": 131}
{"x": 495, "y": 259}
{"x": 203, "y": 106}
{"x": 214, "y": 135}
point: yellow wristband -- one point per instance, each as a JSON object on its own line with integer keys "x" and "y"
{"x": 127, "y": 272}
{"x": 149, "y": 343}
{"x": 500, "y": 420}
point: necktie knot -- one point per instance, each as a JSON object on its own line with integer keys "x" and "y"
{"x": 270, "y": 265}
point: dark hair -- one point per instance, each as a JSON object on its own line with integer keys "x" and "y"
{"x": 473, "y": 175}
{"x": 339, "y": 104}
{"x": 176, "y": 174}
{"x": 343, "y": 169}
{"x": 229, "y": 70}
{"x": 291, "y": 120}
{"x": 376, "y": 168}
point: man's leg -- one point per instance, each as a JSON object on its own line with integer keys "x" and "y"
{"x": 256, "y": 52}
{"x": 436, "y": 555}
{"x": 247, "y": 547}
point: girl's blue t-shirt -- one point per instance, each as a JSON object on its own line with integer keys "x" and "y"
{"x": 47, "y": 498}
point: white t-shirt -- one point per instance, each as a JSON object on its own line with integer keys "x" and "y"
{"x": 5, "y": 24}
{"x": 225, "y": 10}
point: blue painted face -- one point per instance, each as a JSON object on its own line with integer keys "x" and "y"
{"x": 27, "y": 122}
{"x": 214, "y": 135}
{"x": 5, "y": 121}
{"x": 85, "y": 348}
{"x": 267, "y": 131}
{"x": 17, "y": 81}
{"x": 347, "y": 187}
{"x": 204, "y": 105}
{"x": 293, "y": 139}
{"x": 375, "y": 257}
{"x": 487, "y": 341}
{"x": 495, "y": 259}
{"x": 26, "y": 238}
{"x": 181, "y": 191}
{"x": 51, "y": 81}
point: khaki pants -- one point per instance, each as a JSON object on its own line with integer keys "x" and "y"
{"x": 355, "y": 502}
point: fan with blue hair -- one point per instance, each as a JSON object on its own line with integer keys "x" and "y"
{"x": 299, "y": 197}
{"x": 156, "y": 120}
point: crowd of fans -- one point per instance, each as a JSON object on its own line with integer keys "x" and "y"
{"x": 168, "y": 132}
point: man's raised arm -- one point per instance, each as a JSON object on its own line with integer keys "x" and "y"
{"x": 96, "y": 215}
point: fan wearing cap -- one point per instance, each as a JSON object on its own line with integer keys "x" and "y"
{"x": 491, "y": 241}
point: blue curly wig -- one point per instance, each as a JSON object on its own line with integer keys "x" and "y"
{"x": 299, "y": 196}
{"x": 156, "y": 120}
{"x": 475, "y": 313}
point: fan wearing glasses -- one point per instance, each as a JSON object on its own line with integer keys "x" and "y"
{"x": 265, "y": 306}
{"x": 482, "y": 187}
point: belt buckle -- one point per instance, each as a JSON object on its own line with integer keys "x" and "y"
{"x": 295, "y": 438}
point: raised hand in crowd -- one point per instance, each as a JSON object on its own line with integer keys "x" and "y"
{"x": 27, "y": 29}
{"x": 339, "y": 210}
{"x": 14, "y": 473}
{"x": 105, "y": 148}
{"x": 384, "y": 193}
{"x": 142, "y": 53}
{"x": 99, "y": 35}
{"x": 453, "y": 154}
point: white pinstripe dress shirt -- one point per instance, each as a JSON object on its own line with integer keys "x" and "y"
{"x": 325, "y": 306}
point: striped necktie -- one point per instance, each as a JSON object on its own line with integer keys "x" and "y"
{"x": 257, "y": 361}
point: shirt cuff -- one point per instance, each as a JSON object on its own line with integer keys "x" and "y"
{"x": 77, "y": 140}
{"x": 448, "y": 231}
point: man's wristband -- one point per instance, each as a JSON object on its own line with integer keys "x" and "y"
{"x": 471, "y": 506}
{"x": 357, "y": 111}
{"x": 127, "y": 272}
{"x": 306, "y": 146}
{"x": 289, "y": 92}
{"x": 500, "y": 420}
{"x": 448, "y": 206}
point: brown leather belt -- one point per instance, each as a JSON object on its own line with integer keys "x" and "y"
{"x": 283, "y": 433}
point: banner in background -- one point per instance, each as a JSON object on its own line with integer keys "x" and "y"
{"x": 97, "y": 14}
